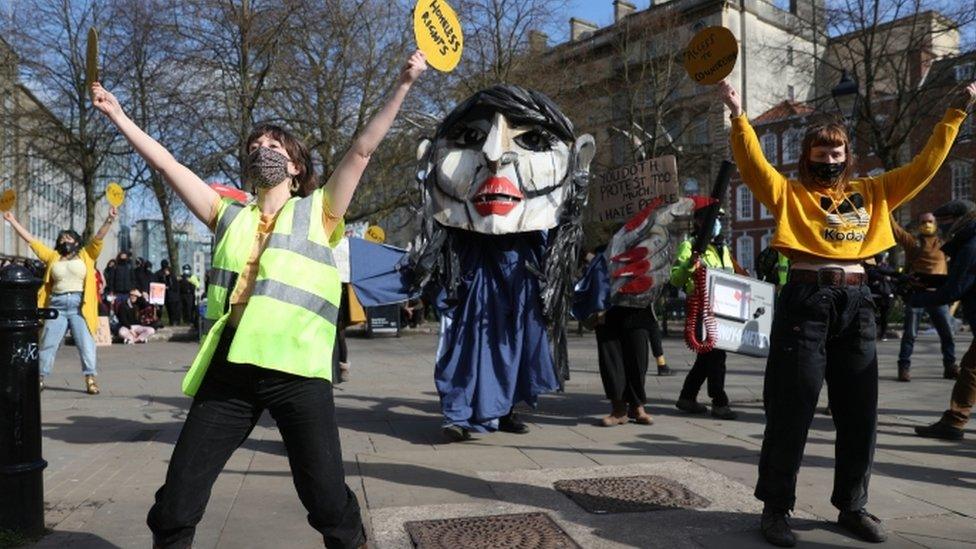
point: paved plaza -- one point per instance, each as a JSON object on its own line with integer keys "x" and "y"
{"x": 108, "y": 454}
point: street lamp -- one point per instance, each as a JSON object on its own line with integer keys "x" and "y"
{"x": 847, "y": 99}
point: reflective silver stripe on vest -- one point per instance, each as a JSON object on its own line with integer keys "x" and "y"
{"x": 230, "y": 214}
{"x": 298, "y": 241}
{"x": 297, "y": 297}
{"x": 222, "y": 277}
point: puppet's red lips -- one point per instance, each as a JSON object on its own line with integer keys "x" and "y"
{"x": 497, "y": 196}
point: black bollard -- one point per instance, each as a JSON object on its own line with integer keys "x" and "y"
{"x": 21, "y": 465}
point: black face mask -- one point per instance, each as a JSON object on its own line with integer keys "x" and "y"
{"x": 827, "y": 171}
{"x": 66, "y": 248}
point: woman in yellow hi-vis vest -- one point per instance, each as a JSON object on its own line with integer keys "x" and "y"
{"x": 274, "y": 296}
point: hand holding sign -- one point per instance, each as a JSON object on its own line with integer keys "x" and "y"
{"x": 91, "y": 61}
{"x": 711, "y": 55}
{"x": 7, "y": 200}
{"x": 438, "y": 33}
{"x": 114, "y": 194}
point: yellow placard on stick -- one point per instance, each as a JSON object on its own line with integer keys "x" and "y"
{"x": 91, "y": 60}
{"x": 438, "y": 33}
{"x": 711, "y": 55}
{"x": 376, "y": 234}
{"x": 7, "y": 200}
{"x": 114, "y": 194}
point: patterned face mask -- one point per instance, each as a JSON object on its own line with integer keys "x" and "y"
{"x": 266, "y": 168}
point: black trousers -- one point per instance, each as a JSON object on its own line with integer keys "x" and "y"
{"x": 654, "y": 332}
{"x": 622, "y": 348}
{"x": 708, "y": 366}
{"x": 189, "y": 308}
{"x": 820, "y": 333}
{"x": 175, "y": 311}
{"x": 224, "y": 411}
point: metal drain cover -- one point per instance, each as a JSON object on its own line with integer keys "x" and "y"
{"x": 629, "y": 494}
{"x": 520, "y": 530}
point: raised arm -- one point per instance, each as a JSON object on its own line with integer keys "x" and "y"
{"x": 343, "y": 182}
{"x": 767, "y": 184}
{"x": 197, "y": 195}
{"x": 113, "y": 213}
{"x": 902, "y": 184}
{"x": 18, "y": 228}
{"x": 903, "y": 237}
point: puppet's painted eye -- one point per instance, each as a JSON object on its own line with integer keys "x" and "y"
{"x": 535, "y": 140}
{"x": 470, "y": 137}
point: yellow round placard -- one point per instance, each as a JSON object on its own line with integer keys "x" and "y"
{"x": 7, "y": 200}
{"x": 438, "y": 33}
{"x": 114, "y": 194}
{"x": 376, "y": 234}
{"x": 711, "y": 55}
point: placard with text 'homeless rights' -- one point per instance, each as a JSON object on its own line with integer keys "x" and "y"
{"x": 619, "y": 194}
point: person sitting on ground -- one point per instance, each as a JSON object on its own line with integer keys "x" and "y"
{"x": 924, "y": 256}
{"x": 957, "y": 219}
{"x": 130, "y": 315}
{"x": 827, "y": 223}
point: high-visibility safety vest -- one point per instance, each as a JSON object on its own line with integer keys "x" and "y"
{"x": 681, "y": 271}
{"x": 289, "y": 323}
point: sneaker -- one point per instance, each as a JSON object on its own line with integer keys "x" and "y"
{"x": 90, "y": 386}
{"x": 456, "y": 433}
{"x": 640, "y": 415}
{"x": 950, "y": 371}
{"x": 862, "y": 524}
{"x": 940, "y": 430}
{"x": 776, "y": 529}
{"x": 724, "y": 412}
{"x": 904, "y": 374}
{"x": 691, "y": 406}
{"x": 512, "y": 424}
{"x": 618, "y": 415}
{"x": 665, "y": 371}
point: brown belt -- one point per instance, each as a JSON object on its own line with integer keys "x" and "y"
{"x": 828, "y": 277}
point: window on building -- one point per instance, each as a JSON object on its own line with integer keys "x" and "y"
{"x": 769, "y": 143}
{"x": 964, "y": 72}
{"x": 966, "y": 129}
{"x": 743, "y": 203}
{"x": 745, "y": 254}
{"x": 962, "y": 180}
{"x": 789, "y": 55}
{"x": 698, "y": 132}
{"x": 763, "y": 212}
{"x": 791, "y": 146}
{"x": 691, "y": 186}
{"x": 765, "y": 241}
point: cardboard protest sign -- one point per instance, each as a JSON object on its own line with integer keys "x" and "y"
{"x": 711, "y": 55}
{"x": 91, "y": 60}
{"x": 7, "y": 200}
{"x": 621, "y": 193}
{"x": 743, "y": 309}
{"x": 114, "y": 194}
{"x": 438, "y": 33}
{"x": 157, "y": 293}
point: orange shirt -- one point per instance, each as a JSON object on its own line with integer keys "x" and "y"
{"x": 851, "y": 226}
{"x": 245, "y": 282}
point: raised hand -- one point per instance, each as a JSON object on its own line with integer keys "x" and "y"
{"x": 9, "y": 217}
{"x": 415, "y": 66}
{"x": 967, "y": 97}
{"x": 728, "y": 94}
{"x": 105, "y": 101}
{"x": 113, "y": 213}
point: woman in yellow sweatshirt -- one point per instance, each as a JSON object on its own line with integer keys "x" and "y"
{"x": 827, "y": 223}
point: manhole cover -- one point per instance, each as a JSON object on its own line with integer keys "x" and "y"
{"x": 629, "y": 494}
{"x": 521, "y": 530}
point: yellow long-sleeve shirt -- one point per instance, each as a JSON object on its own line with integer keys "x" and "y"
{"x": 855, "y": 227}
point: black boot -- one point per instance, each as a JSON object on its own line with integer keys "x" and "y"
{"x": 776, "y": 529}
{"x": 512, "y": 424}
{"x": 950, "y": 371}
{"x": 456, "y": 433}
{"x": 939, "y": 430}
{"x": 862, "y": 524}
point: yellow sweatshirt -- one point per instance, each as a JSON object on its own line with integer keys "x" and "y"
{"x": 855, "y": 226}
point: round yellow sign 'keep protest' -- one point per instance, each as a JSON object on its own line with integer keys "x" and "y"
{"x": 114, "y": 194}
{"x": 438, "y": 33}
{"x": 376, "y": 234}
{"x": 7, "y": 200}
{"x": 711, "y": 55}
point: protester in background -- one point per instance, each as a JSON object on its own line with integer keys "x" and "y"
{"x": 120, "y": 280}
{"x": 142, "y": 275}
{"x": 957, "y": 220}
{"x": 188, "y": 286}
{"x": 621, "y": 340}
{"x": 107, "y": 274}
{"x": 273, "y": 330}
{"x": 657, "y": 343}
{"x": 924, "y": 257}
{"x": 174, "y": 309}
{"x": 69, "y": 287}
{"x": 881, "y": 281}
{"x": 773, "y": 267}
{"x": 131, "y": 315}
{"x": 827, "y": 223}
{"x": 710, "y": 365}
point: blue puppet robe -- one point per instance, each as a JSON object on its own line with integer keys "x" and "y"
{"x": 493, "y": 350}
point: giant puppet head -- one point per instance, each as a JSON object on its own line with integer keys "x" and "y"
{"x": 503, "y": 161}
